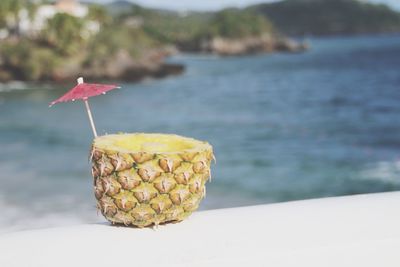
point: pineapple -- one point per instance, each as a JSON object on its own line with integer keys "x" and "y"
{"x": 148, "y": 179}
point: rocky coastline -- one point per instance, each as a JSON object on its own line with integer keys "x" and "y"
{"x": 152, "y": 64}
{"x": 121, "y": 66}
{"x": 133, "y": 46}
{"x": 250, "y": 45}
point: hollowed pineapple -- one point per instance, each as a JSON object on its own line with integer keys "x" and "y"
{"x": 145, "y": 179}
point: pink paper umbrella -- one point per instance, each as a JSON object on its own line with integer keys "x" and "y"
{"x": 83, "y": 91}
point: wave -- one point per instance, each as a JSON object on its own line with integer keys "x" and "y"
{"x": 13, "y": 86}
{"x": 24, "y": 86}
{"x": 17, "y": 218}
{"x": 191, "y": 56}
{"x": 384, "y": 171}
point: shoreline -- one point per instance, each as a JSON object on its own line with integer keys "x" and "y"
{"x": 152, "y": 63}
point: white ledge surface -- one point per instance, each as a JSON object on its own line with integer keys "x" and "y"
{"x": 354, "y": 231}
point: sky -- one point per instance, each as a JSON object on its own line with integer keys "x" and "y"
{"x": 218, "y": 4}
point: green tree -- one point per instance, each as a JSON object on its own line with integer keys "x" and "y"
{"x": 233, "y": 23}
{"x": 329, "y": 17}
{"x": 99, "y": 14}
{"x": 10, "y": 13}
{"x": 27, "y": 61}
{"x": 3, "y": 13}
{"x": 31, "y": 8}
{"x": 63, "y": 32}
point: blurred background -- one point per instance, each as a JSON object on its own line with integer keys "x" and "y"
{"x": 300, "y": 98}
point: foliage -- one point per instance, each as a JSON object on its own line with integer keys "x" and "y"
{"x": 41, "y": 64}
{"x": 99, "y": 13}
{"x": 167, "y": 26}
{"x": 172, "y": 27}
{"x": 115, "y": 38}
{"x": 64, "y": 41}
{"x": 9, "y": 9}
{"x": 64, "y": 33}
{"x": 9, "y": 13}
{"x": 29, "y": 61}
{"x": 321, "y": 17}
{"x": 233, "y": 23}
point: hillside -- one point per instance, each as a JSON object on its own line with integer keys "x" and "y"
{"x": 97, "y": 46}
{"x": 124, "y": 41}
{"x": 118, "y": 7}
{"x": 329, "y": 17}
{"x": 225, "y": 32}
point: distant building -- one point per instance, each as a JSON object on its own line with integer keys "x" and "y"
{"x": 31, "y": 26}
{"x": 46, "y": 12}
{"x": 71, "y": 7}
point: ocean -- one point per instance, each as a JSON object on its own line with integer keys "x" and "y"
{"x": 284, "y": 127}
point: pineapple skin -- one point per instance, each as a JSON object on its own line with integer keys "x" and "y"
{"x": 146, "y": 188}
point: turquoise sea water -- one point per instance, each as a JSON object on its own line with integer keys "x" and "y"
{"x": 284, "y": 127}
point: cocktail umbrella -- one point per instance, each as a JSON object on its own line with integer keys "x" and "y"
{"x": 83, "y": 91}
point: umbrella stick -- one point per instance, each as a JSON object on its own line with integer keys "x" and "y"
{"x": 80, "y": 81}
{"x": 90, "y": 118}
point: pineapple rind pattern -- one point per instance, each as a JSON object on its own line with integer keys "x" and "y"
{"x": 144, "y": 189}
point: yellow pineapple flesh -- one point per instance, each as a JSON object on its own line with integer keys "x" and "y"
{"x": 148, "y": 179}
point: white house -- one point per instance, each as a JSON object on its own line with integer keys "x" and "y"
{"x": 71, "y": 7}
{"x": 32, "y": 26}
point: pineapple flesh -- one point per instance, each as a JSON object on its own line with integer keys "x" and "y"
{"x": 148, "y": 179}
